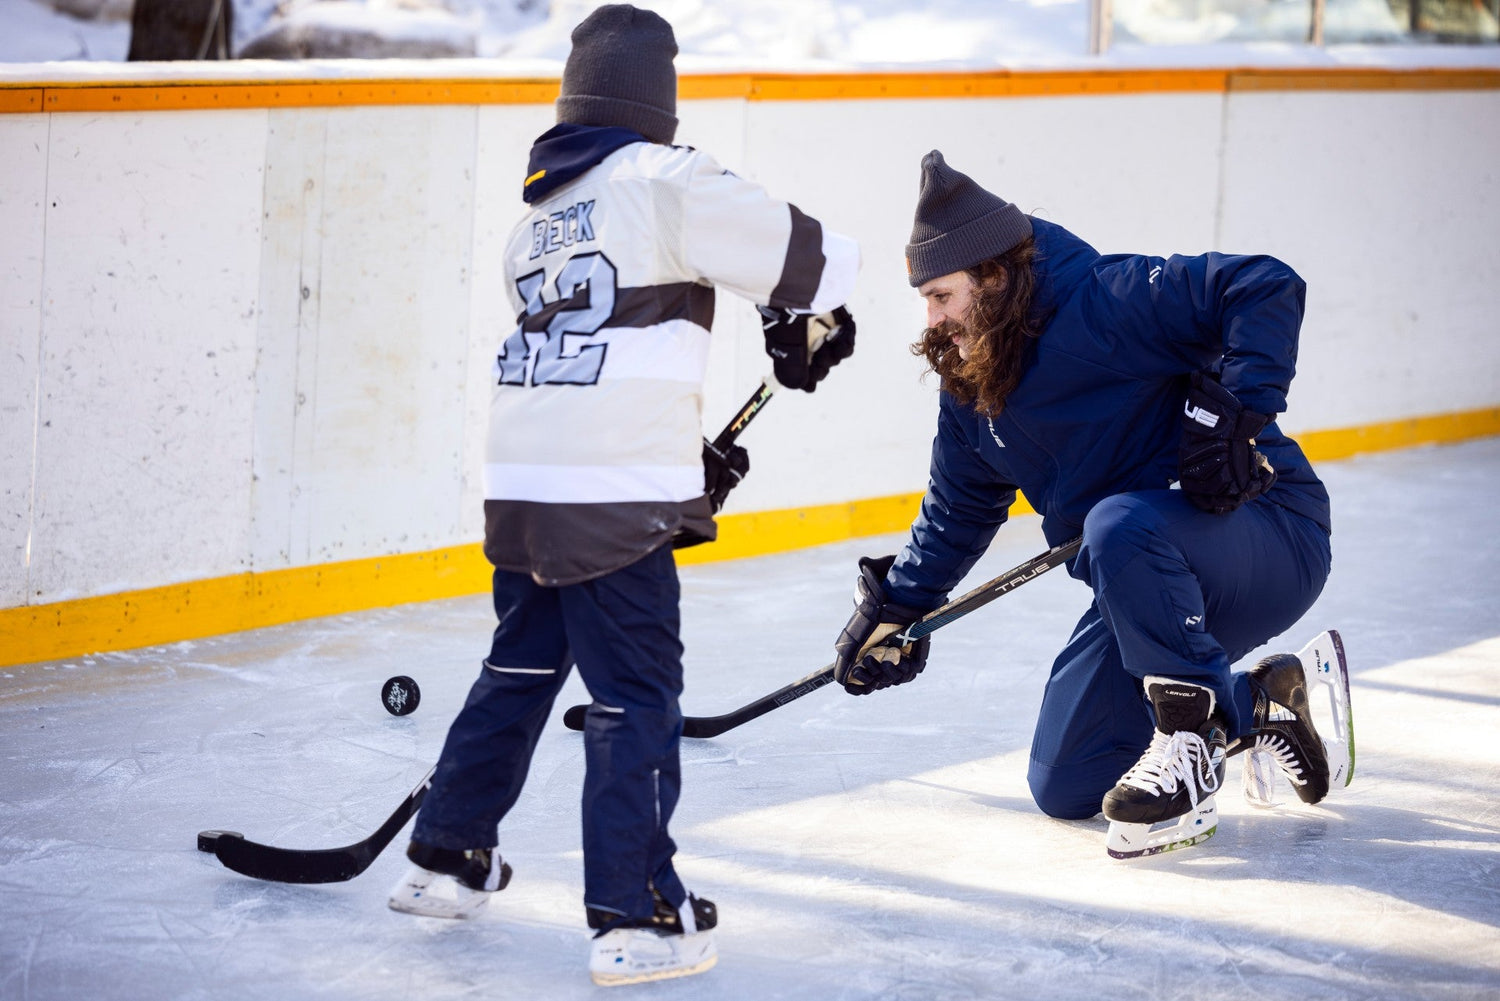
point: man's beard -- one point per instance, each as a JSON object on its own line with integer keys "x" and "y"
{"x": 944, "y": 334}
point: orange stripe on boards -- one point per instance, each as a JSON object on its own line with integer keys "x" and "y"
{"x": 20, "y": 99}
{"x": 97, "y": 96}
{"x": 1364, "y": 79}
{"x": 197, "y": 96}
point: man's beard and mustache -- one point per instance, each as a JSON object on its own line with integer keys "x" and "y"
{"x": 987, "y": 367}
{"x": 958, "y": 335}
{"x": 958, "y": 352}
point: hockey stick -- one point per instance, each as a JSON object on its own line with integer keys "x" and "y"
{"x": 334, "y": 865}
{"x": 758, "y": 399}
{"x": 311, "y": 865}
{"x": 712, "y": 726}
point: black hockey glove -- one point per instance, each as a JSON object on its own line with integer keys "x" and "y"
{"x": 803, "y": 347}
{"x": 865, "y": 661}
{"x": 834, "y": 346}
{"x": 1217, "y": 463}
{"x": 722, "y": 471}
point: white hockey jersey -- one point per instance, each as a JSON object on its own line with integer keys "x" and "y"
{"x": 594, "y": 452}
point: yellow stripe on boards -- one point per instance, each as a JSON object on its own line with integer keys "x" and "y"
{"x": 1326, "y": 446}
{"x": 179, "y": 95}
{"x": 242, "y": 601}
{"x": 253, "y": 600}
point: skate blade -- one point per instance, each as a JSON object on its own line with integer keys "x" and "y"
{"x": 635, "y": 956}
{"x": 1139, "y": 840}
{"x": 1261, "y": 770}
{"x": 1324, "y": 664}
{"x": 434, "y": 895}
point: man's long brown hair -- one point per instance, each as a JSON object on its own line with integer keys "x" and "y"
{"x": 1000, "y": 326}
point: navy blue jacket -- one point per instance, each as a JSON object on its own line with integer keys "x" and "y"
{"x": 1096, "y": 411}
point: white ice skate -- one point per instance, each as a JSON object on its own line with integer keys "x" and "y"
{"x": 1323, "y": 713}
{"x": 1166, "y": 800}
{"x": 635, "y": 955}
{"x": 676, "y": 942}
{"x": 460, "y": 891}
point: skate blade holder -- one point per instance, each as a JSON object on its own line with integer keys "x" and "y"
{"x": 1324, "y": 666}
{"x": 1131, "y": 841}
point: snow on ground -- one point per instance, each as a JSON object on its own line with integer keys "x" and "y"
{"x": 883, "y": 847}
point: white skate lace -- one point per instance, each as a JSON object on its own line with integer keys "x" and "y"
{"x": 1285, "y": 758}
{"x": 1181, "y": 757}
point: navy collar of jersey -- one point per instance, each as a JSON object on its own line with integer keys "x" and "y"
{"x": 565, "y": 151}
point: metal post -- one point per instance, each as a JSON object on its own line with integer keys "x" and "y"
{"x": 1315, "y": 29}
{"x": 1101, "y": 26}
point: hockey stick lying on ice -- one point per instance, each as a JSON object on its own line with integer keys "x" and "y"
{"x": 310, "y": 865}
{"x": 334, "y": 865}
{"x": 712, "y": 726}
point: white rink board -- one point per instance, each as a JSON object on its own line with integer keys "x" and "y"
{"x": 23, "y": 171}
{"x": 1389, "y": 205}
{"x": 148, "y": 350}
{"x": 265, "y": 336}
{"x": 365, "y": 308}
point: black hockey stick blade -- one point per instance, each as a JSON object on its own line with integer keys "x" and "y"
{"x": 314, "y": 865}
{"x": 712, "y": 726}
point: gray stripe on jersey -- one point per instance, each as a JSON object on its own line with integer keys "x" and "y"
{"x": 802, "y": 272}
{"x": 641, "y": 307}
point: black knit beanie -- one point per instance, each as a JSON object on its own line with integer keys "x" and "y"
{"x": 620, "y": 72}
{"x": 958, "y": 224}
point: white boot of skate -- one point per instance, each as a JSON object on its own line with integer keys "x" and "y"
{"x": 635, "y": 955}
{"x": 1166, "y": 800}
{"x": 472, "y": 877}
{"x": 434, "y": 895}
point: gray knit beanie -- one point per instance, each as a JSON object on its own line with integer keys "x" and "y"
{"x": 620, "y": 72}
{"x": 958, "y": 224}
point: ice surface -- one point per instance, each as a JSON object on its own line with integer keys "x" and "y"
{"x": 882, "y": 847}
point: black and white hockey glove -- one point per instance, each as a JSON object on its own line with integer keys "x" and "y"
{"x": 1217, "y": 463}
{"x": 804, "y": 347}
{"x": 722, "y": 471}
{"x": 865, "y": 660}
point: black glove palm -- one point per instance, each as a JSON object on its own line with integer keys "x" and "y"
{"x": 866, "y": 660}
{"x": 1217, "y": 463}
{"x": 790, "y": 341}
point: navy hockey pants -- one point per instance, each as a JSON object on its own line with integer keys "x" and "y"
{"x": 622, "y": 632}
{"x": 1177, "y": 592}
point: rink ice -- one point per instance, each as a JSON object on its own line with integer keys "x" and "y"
{"x": 881, "y": 847}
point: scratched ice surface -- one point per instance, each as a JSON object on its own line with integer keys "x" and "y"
{"x": 883, "y": 847}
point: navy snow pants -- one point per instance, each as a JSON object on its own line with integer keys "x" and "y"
{"x": 622, "y": 632}
{"x": 1177, "y": 592}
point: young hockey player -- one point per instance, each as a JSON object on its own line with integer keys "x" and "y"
{"x": 595, "y": 461}
{"x": 1091, "y": 383}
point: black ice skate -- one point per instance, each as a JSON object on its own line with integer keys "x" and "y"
{"x": 673, "y": 942}
{"x": 1166, "y": 800}
{"x": 1285, "y": 739}
{"x": 447, "y": 883}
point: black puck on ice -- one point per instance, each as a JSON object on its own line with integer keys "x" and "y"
{"x": 400, "y": 696}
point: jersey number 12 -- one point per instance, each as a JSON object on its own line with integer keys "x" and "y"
{"x": 556, "y": 333}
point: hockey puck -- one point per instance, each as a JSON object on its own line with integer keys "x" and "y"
{"x": 207, "y": 840}
{"x": 400, "y": 696}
